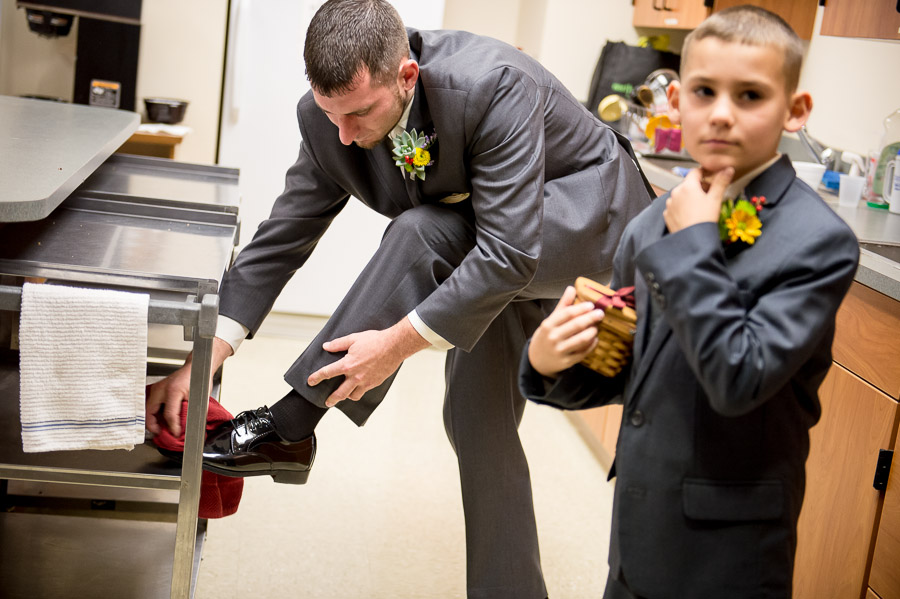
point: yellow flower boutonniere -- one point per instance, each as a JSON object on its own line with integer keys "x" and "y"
{"x": 411, "y": 153}
{"x": 739, "y": 220}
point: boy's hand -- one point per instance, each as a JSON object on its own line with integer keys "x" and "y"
{"x": 690, "y": 204}
{"x": 566, "y": 336}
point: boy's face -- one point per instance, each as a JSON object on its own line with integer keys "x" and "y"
{"x": 733, "y": 106}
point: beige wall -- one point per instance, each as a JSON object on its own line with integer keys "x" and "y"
{"x": 855, "y": 84}
{"x": 31, "y": 64}
{"x": 182, "y": 56}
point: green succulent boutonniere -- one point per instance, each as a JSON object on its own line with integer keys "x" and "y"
{"x": 411, "y": 153}
{"x": 739, "y": 220}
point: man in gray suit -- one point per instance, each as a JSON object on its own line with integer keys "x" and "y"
{"x": 493, "y": 213}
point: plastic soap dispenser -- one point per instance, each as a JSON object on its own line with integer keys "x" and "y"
{"x": 890, "y": 145}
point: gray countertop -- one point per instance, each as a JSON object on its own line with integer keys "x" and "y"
{"x": 48, "y": 148}
{"x": 873, "y": 227}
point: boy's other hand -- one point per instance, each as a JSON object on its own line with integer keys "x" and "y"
{"x": 691, "y": 202}
{"x": 566, "y": 336}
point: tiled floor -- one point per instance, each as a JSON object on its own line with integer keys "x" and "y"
{"x": 381, "y": 515}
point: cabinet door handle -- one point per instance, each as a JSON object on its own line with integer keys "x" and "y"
{"x": 883, "y": 469}
{"x": 655, "y": 7}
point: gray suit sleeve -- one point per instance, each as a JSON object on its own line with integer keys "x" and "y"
{"x": 282, "y": 243}
{"x": 743, "y": 345}
{"x": 506, "y": 164}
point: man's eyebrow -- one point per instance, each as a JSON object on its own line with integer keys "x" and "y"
{"x": 355, "y": 112}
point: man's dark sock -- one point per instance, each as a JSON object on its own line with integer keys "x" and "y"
{"x": 294, "y": 417}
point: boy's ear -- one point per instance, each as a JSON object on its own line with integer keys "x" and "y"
{"x": 798, "y": 113}
{"x": 672, "y": 93}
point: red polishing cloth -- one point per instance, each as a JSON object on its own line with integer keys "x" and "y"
{"x": 219, "y": 495}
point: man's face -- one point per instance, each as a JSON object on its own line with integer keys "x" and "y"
{"x": 366, "y": 114}
{"x": 732, "y": 104}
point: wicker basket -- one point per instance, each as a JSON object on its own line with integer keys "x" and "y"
{"x": 616, "y": 331}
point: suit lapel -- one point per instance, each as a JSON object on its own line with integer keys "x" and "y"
{"x": 382, "y": 163}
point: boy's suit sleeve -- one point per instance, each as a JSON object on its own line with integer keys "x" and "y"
{"x": 746, "y": 344}
{"x": 577, "y": 388}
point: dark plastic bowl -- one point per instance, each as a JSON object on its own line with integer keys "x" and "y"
{"x": 164, "y": 110}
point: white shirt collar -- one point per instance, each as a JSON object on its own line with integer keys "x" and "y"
{"x": 736, "y": 188}
{"x": 400, "y": 127}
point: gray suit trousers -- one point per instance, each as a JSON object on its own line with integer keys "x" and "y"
{"x": 482, "y": 405}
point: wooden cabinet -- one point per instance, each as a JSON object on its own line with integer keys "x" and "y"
{"x": 687, "y": 14}
{"x": 669, "y": 14}
{"x": 841, "y": 506}
{"x": 799, "y": 14}
{"x": 878, "y": 19}
{"x": 843, "y": 516}
{"x": 599, "y": 427}
{"x": 884, "y": 578}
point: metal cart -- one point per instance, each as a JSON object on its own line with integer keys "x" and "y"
{"x": 107, "y": 523}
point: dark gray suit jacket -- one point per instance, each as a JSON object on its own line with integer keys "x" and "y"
{"x": 721, "y": 393}
{"x": 545, "y": 178}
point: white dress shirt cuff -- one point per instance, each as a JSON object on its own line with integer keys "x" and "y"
{"x": 430, "y": 336}
{"x": 231, "y": 331}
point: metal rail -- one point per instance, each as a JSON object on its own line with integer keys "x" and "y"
{"x": 199, "y": 322}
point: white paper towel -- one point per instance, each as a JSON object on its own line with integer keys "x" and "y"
{"x": 82, "y": 365}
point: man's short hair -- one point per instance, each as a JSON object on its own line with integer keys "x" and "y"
{"x": 346, "y": 36}
{"x": 753, "y": 26}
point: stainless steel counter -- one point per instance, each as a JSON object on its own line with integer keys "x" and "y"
{"x": 48, "y": 148}
{"x": 873, "y": 227}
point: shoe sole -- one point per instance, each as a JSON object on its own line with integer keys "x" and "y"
{"x": 288, "y": 477}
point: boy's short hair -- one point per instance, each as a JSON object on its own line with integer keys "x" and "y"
{"x": 346, "y": 36}
{"x": 756, "y": 27}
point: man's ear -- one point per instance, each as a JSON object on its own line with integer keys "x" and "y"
{"x": 673, "y": 94}
{"x": 800, "y": 106}
{"x": 408, "y": 74}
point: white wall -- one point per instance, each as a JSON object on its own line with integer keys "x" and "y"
{"x": 494, "y": 18}
{"x": 855, "y": 84}
{"x": 853, "y": 81}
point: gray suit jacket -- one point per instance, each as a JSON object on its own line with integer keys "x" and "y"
{"x": 721, "y": 393}
{"x": 545, "y": 178}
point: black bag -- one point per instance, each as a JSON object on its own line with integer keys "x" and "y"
{"x": 621, "y": 68}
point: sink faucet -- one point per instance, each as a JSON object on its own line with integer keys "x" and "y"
{"x": 819, "y": 151}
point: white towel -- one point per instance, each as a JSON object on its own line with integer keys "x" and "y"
{"x": 82, "y": 365}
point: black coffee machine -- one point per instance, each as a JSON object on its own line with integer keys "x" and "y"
{"x": 109, "y": 34}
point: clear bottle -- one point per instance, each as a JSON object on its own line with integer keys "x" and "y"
{"x": 887, "y": 150}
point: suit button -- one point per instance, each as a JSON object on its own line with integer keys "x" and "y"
{"x": 636, "y": 419}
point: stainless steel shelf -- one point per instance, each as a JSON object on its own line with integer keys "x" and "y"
{"x": 49, "y": 556}
{"x": 161, "y": 181}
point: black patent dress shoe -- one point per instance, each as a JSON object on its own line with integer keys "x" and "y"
{"x": 249, "y": 446}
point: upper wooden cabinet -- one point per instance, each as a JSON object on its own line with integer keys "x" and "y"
{"x": 851, "y": 18}
{"x": 799, "y": 14}
{"x": 687, "y": 14}
{"x": 669, "y": 14}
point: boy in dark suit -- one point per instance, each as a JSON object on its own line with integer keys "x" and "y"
{"x": 738, "y": 274}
